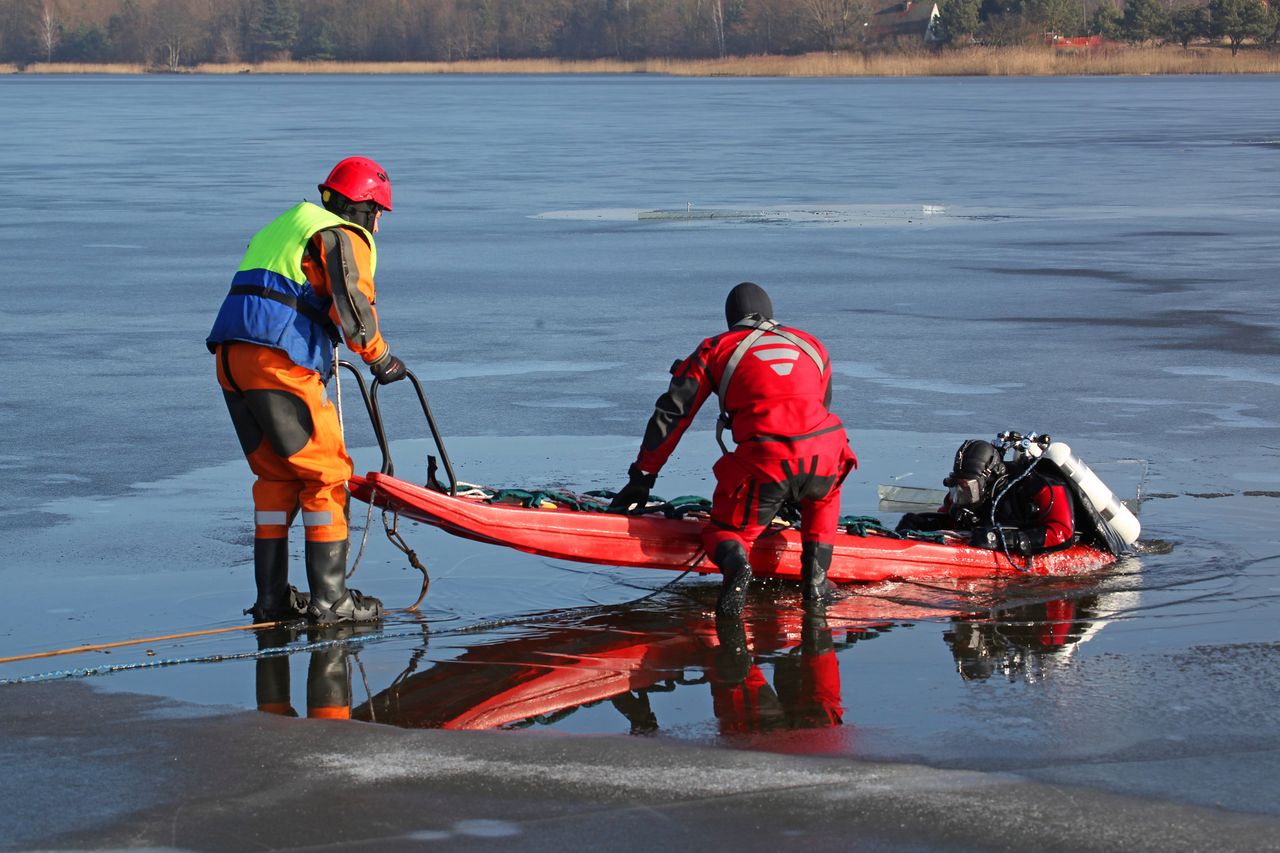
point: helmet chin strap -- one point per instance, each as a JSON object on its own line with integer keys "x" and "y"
{"x": 363, "y": 213}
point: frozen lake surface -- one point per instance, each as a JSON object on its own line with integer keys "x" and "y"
{"x": 1093, "y": 258}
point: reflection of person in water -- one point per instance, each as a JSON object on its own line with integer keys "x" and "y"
{"x": 634, "y": 705}
{"x": 806, "y": 683}
{"x": 328, "y": 675}
{"x": 1018, "y": 641}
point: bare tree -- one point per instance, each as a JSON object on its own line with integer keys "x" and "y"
{"x": 48, "y": 30}
{"x": 835, "y": 23}
{"x": 173, "y": 33}
{"x": 771, "y": 26}
{"x": 717, "y": 23}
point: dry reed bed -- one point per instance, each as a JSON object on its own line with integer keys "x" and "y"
{"x": 995, "y": 62}
{"x": 78, "y": 68}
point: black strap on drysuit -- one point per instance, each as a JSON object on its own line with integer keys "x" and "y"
{"x": 312, "y": 313}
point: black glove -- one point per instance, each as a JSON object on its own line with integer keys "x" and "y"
{"x": 925, "y": 522}
{"x": 388, "y": 369}
{"x": 1001, "y": 538}
{"x": 636, "y": 491}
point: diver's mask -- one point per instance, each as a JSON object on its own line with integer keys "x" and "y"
{"x": 966, "y": 492}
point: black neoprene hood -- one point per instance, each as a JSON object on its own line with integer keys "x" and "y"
{"x": 746, "y": 299}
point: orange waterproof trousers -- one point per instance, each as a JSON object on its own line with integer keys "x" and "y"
{"x": 290, "y": 434}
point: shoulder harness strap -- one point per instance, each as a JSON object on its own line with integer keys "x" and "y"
{"x": 762, "y": 327}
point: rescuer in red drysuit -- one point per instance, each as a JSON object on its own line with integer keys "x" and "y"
{"x": 774, "y": 385}
{"x": 305, "y": 283}
{"x": 1033, "y": 510}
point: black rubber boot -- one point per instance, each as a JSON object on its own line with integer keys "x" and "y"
{"x": 331, "y": 601}
{"x": 731, "y": 557}
{"x": 815, "y": 559}
{"x": 277, "y": 601}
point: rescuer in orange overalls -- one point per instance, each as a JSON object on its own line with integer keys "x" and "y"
{"x": 306, "y": 283}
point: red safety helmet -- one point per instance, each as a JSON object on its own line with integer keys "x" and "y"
{"x": 360, "y": 179}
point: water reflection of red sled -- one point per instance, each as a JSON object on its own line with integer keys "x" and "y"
{"x": 623, "y": 652}
{"x": 671, "y": 543}
{"x": 775, "y": 669}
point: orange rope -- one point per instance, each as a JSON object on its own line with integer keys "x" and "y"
{"x": 101, "y": 646}
{"x": 393, "y": 534}
{"x": 426, "y": 581}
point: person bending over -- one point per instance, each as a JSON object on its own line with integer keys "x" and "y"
{"x": 774, "y": 387}
{"x": 306, "y": 282}
{"x": 1004, "y": 506}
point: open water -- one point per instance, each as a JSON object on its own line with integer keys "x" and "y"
{"x": 1092, "y": 258}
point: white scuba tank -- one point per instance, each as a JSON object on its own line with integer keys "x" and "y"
{"x": 1115, "y": 513}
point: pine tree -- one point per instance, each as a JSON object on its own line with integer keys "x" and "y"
{"x": 958, "y": 20}
{"x": 274, "y": 29}
{"x": 1238, "y": 20}
{"x": 1144, "y": 20}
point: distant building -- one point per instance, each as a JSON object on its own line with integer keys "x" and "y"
{"x": 907, "y": 22}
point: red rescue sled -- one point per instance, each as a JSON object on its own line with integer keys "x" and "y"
{"x": 657, "y": 542}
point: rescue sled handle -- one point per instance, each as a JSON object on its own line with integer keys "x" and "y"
{"x": 380, "y": 433}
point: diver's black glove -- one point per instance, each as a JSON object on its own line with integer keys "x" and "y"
{"x": 388, "y": 369}
{"x": 1001, "y": 538}
{"x": 636, "y": 491}
{"x": 925, "y": 522}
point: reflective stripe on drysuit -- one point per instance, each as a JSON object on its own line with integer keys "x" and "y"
{"x": 306, "y": 276}
{"x": 789, "y": 445}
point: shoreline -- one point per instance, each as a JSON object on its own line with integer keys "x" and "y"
{"x": 1110, "y": 60}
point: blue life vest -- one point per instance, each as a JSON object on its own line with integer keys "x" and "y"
{"x": 271, "y": 303}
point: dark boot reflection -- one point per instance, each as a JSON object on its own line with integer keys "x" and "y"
{"x": 741, "y": 697}
{"x": 328, "y": 670}
{"x": 329, "y": 675}
{"x": 808, "y": 680}
{"x": 272, "y": 671}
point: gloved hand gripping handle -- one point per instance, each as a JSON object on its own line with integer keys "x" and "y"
{"x": 635, "y": 492}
